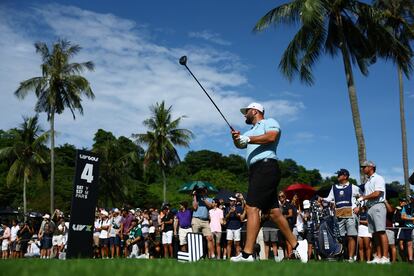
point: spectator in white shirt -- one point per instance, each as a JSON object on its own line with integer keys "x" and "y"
{"x": 13, "y": 235}
{"x": 377, "y": 212}
{"x": 115, "y": 234}
{"x": 104, "y": 235}
{"x": 5, "y": 240}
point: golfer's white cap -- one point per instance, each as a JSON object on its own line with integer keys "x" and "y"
{"x": 256, "y": 106}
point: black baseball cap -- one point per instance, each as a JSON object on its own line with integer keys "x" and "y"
{"x": 343, "y": 172}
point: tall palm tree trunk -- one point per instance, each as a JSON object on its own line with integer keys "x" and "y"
{"x": 52, "y": 162}
{"x": 164, "y": 188}
{"x": 403, "y": 133}
{"x": 356, "y": 118}
{"x": 24, "y": 195}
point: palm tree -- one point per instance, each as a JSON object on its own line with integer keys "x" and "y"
{"x": 60, "y": 86}
{"x": 332, "y": 27}
{"x": 162, "y": 137}
{"x": 399, "y": 16}
{"x": 27, "y": 154}
{"x": 116, "y": 156}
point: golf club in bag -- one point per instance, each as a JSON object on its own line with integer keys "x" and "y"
{"x": 326, "y": 231}
{"x": 183, "y": 61}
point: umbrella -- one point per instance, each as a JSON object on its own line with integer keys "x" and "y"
{"x": 304, "y": 191}
{"x": 190, "y": 186}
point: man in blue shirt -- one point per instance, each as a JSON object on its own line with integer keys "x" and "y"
{"x": 200, "y": 221}
{"x": 264, "y": 175}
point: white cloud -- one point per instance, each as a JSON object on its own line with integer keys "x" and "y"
{"x": 132, "y": 73}
{"x": 210, "y": 36}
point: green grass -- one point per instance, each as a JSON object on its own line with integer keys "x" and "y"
{"x": 172, "y": 267}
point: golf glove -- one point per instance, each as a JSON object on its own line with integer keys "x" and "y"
{"x": 244, "y": 140}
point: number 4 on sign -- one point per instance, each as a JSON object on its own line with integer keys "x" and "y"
{"x": 87, "y": 173}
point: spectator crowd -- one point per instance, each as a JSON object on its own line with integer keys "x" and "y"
{"x": 160, "y": 233}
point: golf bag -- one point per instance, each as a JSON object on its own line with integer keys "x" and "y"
{"x": 326, "y": 232}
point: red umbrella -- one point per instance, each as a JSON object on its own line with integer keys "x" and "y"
{"x": 304, "y": 191}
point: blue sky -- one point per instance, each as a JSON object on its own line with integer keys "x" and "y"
{"x": 136, "y": 45}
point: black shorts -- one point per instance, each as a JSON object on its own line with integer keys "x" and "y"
{"x": 23, "y": 246}
{"x": 404, "y": 234}
{"x": 103, "y": 242}
{"x": 46, "y": 243}
{"x": 264, "y": 177}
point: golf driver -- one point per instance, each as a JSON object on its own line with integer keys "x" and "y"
{"x": 183, "y": 61}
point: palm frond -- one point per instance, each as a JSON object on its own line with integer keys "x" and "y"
{"x": 284, "y": 14}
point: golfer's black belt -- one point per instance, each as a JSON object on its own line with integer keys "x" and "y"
{"x": 262, "y": 161}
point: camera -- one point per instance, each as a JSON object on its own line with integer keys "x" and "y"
{"x": 198, "y": 192}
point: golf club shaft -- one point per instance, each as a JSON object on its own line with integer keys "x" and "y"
{"x": 208, "y": 96}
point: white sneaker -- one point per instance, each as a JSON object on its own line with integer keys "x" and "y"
{"x": 301, "y": 251}
{"x": 239, "y": 258}
{"x": 143, "y": 256}
{"x": 277, "y": 259}
{"x": 376, "y": 260}
{"x": 384, "y": 260}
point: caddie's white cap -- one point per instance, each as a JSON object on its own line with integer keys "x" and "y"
{"x": 256, "y": 106}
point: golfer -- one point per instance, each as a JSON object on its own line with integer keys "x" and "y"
{"x": 264, "y": 175}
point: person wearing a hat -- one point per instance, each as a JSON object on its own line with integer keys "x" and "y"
{"x": 104, "y": 235}
{"x": 374, "y": 198}
{"x": 344, "y": 195}
{"x": 261, "y": 142}
{"x": 200, "y": 221}
{"x": 182, "y": 224}
{"x": 115, "y": 233}
{"x": 233, "y": 216}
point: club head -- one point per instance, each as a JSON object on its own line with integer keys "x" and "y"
{"x": 183, "y": 60}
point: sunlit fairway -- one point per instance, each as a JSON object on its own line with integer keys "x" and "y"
{"x": 208, "y": 267}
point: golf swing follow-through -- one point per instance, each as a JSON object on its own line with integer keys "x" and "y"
{"x": 183, "y": 61}
{"x": 261, "y": 142}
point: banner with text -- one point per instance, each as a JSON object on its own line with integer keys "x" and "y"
{"x": 84, "y": 198}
